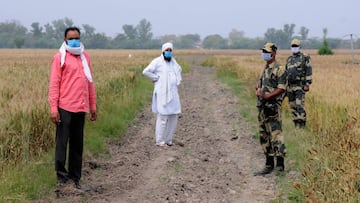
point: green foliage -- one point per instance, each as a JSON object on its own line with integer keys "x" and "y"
{"x": 325, "y": 49}
{"x": 27, "y": 182}
{"x": 214, "y": 42}
{"x": 140, "y": 36}
{"x": 19, "y": 42}
{"x": 188, "y": 41}
{"x": 281, "y": 37}
{"x": 11, "y": 34}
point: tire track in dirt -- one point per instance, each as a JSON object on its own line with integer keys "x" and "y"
{"x": 212, "y": 161}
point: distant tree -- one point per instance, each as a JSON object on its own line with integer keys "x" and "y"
{"x": 280, "y": 37}
{"x": 312, "y": 43}
{"x": 168, "y": 38}
{"x": 325, "y": 49}
{"x": 36, "y": 29}
{"x": 289, "y": 31}
{"x": 98, "y": 41}
{"x": 88, "y": 30}
{"x": 235, "y": 37}
{"x": 144, "y": 33}
{"x": 276, "y": 36}
{"x": 91, "y": 39}
{"x": 119, "y": 41}
{"x": 130, "y": 32}
{"x": 50, "y": 32}
{"x": 214, "y": 42}
{"x": 19, "y": 42}
{"x": 11, "y": 34}
{"x": 131, "y": 37}
{"x": 59, "y": 27}
{"x": 304, "y": 32}
{"x": 136, "y": 37}
{"x": 50, "y": 39}
{"x": 188, "y": 41}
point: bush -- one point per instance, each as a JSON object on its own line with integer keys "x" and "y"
{"x": 325, "y": 49}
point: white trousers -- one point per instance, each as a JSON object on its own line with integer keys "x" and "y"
{"x": 165, "y": 128}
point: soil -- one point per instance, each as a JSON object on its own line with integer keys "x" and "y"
{"x": 212, "y": 160}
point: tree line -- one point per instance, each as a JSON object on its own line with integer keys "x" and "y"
{"x": 14, "y": 35}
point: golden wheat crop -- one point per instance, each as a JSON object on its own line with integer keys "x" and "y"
{"x": 26, "y": 130}
{"x": 332, "y": 163}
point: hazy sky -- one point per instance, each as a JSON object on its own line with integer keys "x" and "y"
{"x": 203, "y": 17}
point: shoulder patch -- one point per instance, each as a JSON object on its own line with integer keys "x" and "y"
{"x": 281, "y": 67}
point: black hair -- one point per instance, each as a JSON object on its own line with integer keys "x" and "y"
{"x": 273, "y": 47}
{"x": 71, "y": 29}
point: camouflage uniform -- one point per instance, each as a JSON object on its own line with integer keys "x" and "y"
{"x": 270, "y": 123}
{"x": 270, "y": 90}
{"x": 299, "y": 71}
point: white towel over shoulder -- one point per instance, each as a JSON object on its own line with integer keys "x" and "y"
{"x": 76, "y": 51}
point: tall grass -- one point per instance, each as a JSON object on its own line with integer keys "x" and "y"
{"x": 327, "y": 153}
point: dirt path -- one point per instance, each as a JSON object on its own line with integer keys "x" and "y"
{"x": 212, "y": 161}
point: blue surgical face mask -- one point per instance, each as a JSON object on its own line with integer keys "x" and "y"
{"x": 73, "y": 43}
{"x": 168, "y": 54}
{"x": 266, "y": 56}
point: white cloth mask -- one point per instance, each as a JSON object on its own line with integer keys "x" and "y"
{"x": 295, "y": 50}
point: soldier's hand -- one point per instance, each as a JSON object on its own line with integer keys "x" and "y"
{"x": 259, "y": 91}
{"x": 306, "y": 88}
{"x": 266, "y": 96}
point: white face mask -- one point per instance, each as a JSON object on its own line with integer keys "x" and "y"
{"x": 295, "y": 50}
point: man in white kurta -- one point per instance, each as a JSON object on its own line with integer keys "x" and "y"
{"x": 165, "y": 72}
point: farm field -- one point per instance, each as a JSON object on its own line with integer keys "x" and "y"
{"x": 217, "y": 152}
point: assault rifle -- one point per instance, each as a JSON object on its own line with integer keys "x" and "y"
{"x": 259, "y": 101}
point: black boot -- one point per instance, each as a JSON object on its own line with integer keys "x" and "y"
{"x": 280, "y": 166}
{"x": 299, "y": 124}
{"x": 269, "y": 167}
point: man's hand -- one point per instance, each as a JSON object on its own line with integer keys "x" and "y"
{"x": 93, "y": 115}
{"x": 259, "y": 91}
{"x": 266, "y": 96}
{"x": 306, "y": 88}
{"x": 261, "y": 94}
{"x": 274, "y": 94}
{"x": 55, "y": 117}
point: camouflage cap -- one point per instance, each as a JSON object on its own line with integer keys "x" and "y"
{"x": 295, "y": 42}
{"x": 269, "y": 47}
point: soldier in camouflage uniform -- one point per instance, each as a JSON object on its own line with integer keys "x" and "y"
{"x": 270, "y": 90}
{"x": 299, "y": 71}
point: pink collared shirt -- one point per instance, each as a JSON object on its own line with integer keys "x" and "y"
{"x": 69, "y": 88}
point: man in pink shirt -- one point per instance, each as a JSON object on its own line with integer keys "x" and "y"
{"x": 71, "y": 96}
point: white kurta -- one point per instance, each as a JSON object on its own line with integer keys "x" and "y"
{"x": 167, "y": 77}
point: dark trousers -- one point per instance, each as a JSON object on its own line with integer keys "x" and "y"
{"x": 70, "y": 131}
